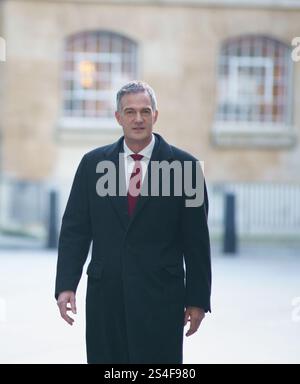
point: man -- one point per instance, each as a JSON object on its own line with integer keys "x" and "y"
{"x": 140, "y": 295}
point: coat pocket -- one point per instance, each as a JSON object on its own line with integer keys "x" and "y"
{"x": 95, "y": 269}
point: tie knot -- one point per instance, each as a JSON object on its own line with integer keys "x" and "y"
{"x": 136, "y": 156}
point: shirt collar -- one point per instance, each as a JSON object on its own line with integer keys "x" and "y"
{"x": 146, "y": 152}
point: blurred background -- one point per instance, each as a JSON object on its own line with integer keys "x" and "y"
{"x": 227, "y": 79}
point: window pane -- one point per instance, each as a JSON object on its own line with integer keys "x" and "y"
{"x": 96, "y": 65}
{"x": 253, "y": 82}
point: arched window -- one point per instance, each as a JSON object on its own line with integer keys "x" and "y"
{"x": 96, "y": 65}
{"x": 254, "y": 80}
{"x": 254, "y": 84}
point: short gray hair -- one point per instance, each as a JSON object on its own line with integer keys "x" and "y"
{"x": 136, "y": 87}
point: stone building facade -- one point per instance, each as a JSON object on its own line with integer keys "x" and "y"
{"x": 228, "y": 91}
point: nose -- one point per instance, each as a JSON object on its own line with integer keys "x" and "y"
{"x": 138, "y": 117}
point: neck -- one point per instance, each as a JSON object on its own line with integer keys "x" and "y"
{"x": 137, "y": 146}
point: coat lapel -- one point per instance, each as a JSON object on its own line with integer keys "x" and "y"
{"x": 119, "y": 203}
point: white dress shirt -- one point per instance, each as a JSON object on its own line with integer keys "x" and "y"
{"x": 129, "y": 162}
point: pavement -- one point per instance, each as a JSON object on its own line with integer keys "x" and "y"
{"x": 255, "y": 310}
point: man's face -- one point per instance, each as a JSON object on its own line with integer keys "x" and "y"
{"x": 136, "y": 117}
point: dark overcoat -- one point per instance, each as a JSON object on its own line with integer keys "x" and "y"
{"x": 144, "y": 269}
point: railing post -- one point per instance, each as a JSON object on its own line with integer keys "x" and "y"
{"x": 230, "y": 237}
{"x": 52, "y": 239}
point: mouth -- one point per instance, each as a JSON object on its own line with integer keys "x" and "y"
{"x": 138, "y": 129}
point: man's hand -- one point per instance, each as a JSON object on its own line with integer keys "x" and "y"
{"x": 195, "y": 315}
{"x": 63, "y": 300}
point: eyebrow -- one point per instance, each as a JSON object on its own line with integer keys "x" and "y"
{"x": 133, "y": 109}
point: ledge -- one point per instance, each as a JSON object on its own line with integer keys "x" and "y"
{"x": 253, "y": 135}
{"x": 78, "y": 129}
{"x": 271, "y": 4}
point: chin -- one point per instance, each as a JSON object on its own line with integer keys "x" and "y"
{"x": 140, "y": 135}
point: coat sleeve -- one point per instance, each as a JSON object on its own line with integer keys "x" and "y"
{"x": 196, "y": 251}
{"x": 75, "y": 235}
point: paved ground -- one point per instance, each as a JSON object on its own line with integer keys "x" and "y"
{"x": 253, "y": 319}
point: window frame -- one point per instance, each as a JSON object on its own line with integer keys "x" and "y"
{"x": 79, "y": 119}
{"x": 227, "y": 132}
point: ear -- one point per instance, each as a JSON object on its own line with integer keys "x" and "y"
{"x": 155, "y": 116}
{"x": 118, "y": 117}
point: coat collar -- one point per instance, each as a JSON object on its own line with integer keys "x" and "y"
{"x": 161, "y": 151}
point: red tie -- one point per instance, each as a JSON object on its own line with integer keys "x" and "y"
{"x": 134, "y": 183}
